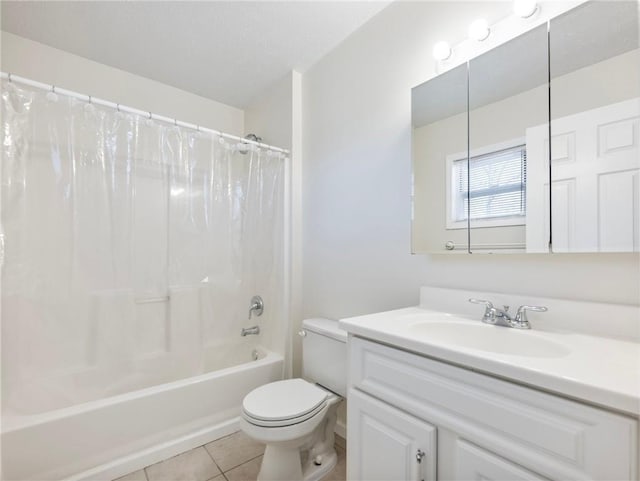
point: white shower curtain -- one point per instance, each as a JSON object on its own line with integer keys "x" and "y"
{"x": 131, "y": 246}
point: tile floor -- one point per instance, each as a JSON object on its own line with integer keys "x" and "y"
{"x": 232, "y": 458}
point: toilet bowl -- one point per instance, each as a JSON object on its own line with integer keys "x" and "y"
{"x": 295, "y": 418}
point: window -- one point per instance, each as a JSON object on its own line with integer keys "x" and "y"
{"x": 497, "y": 194}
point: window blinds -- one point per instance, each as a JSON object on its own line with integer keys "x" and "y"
{"x": 497, "y": 183}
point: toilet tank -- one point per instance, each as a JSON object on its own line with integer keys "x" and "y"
{"x": 324, "y": 354}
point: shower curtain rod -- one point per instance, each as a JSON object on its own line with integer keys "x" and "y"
{"x": 123, "y": 108}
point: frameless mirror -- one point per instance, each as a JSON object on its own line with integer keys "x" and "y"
{"x": 595, "y": 111}
{"x": 508, "y": 102}
{"x": 439, "y": 119}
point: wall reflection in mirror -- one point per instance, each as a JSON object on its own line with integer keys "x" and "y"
{"x": 508, "y": 96}
{"x": 439, "y": 110}
{"x": 483, "y": 181}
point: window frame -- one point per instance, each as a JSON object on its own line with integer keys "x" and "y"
{"x": 451, "y": 182}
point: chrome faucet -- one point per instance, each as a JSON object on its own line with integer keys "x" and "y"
{"x": 495, "y": 315}
{"x": 248, "y": 331}
{"x": 256, "y": 306}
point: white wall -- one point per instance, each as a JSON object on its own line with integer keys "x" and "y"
{"x": 26, "y": 58}
{"x": 269, "y": 115}
{"x": 357, "y": 181}
{"x": 275, "y": 115}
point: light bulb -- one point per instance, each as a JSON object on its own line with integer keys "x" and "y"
{"x": 441, "y": 50}
{"x": 479, "y": 30}
{"x": 524, "y": 8}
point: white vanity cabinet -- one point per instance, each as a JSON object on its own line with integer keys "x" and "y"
{"x": 393, "y": 445}
{"x": 467, "y": 425}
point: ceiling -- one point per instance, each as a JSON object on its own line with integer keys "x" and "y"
{"x": 229, "y": 51}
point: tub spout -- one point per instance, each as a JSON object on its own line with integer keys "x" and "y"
{"x": 246, "y": 331}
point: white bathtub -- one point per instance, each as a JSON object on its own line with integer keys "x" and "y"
{"x": 108, "y": 438}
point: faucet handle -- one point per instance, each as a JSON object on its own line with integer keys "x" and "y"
{"x": 489, "y": 311}
{"x": 521, "y": 321}
{"x": 256, "y": 306}
{"x": 487, "y": 304}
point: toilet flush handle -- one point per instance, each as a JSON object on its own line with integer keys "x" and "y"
{"x": 302, "y": 333}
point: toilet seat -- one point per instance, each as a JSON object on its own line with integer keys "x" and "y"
{"x": 283, "y": 403}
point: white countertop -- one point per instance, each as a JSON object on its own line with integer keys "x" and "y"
{"x": 597, "y": 370}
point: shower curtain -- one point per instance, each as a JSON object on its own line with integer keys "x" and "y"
{"x": 131, "y": 247}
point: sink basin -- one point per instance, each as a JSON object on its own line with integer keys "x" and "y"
{"x": 488, "y": 338}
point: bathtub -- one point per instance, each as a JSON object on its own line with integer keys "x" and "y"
{"x": 107, "y": 438}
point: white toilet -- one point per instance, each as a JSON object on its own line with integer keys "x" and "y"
{"x": 295, "y": 418}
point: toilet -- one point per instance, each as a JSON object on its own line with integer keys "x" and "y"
{"x": 295, "y": 418}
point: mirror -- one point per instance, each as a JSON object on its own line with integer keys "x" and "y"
{"x": 439, "y": 118}
{"x": 508, "y": 98}
{"x": 469, "y": 129}
{"x": 486, "y": 179}
{"x": 595, "y": 111}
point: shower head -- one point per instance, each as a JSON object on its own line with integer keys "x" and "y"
{"x": 253, "y": 137}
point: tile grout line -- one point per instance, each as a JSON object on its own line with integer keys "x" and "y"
{"x": 242, "y": 464}
{"x": 212, "y": 458}
{"x": 217, "y": 476}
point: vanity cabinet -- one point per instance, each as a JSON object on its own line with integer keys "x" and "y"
{"x": 473, "y": 426}
{"x": 393, "y": 444}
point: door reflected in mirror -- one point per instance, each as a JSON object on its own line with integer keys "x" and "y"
{"x": 595, "y": 111}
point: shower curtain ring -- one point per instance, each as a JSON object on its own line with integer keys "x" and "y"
{"x": 149, "y": 115}
{"x": 118, "y": 107}
{"x": 9, "y": 77}
{"x": 90, "y": 99}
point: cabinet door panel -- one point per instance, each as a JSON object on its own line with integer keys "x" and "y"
{"x": 474, "y": 463}
{"x": 384, "y": 443}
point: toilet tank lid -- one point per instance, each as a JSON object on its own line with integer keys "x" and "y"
{"x": 325, "y": 327}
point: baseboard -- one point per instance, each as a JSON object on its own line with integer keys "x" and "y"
{"x": 141, "y": 459}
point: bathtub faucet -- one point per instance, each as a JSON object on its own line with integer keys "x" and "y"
{"x": 246, "y": 331}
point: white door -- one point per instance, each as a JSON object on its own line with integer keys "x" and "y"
{"x": 474, "y": 463}
{"x": 386, "y": 444}
{"x": 595, "y": 173}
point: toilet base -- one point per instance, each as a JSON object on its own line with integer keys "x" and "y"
{"x": 283, "y": 464}
{"x": 280, "y": 464}
{"x": 313, "y": 472}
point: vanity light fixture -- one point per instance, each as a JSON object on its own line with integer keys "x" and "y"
{"x": 479, "y": 30}
{"x": 525, "y": 8}
{"x": 441, "y": 50}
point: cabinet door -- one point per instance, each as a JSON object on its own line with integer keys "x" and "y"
{"x": 473, "y": 463}
{"x": 386, "y": 444}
